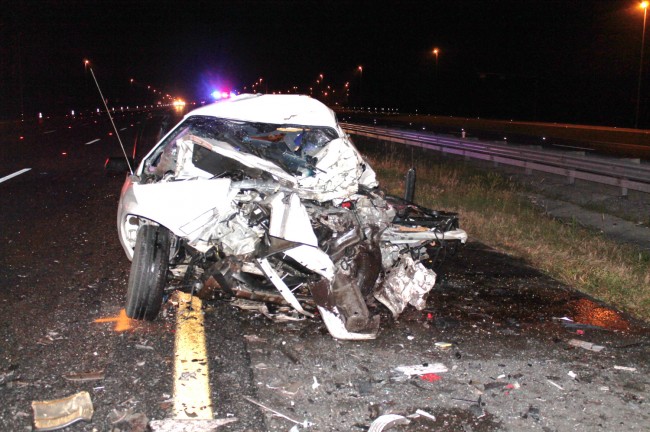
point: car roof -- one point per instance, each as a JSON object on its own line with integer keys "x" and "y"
{"x": 269, "y": 108}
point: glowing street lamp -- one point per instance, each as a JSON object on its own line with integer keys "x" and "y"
{"x": 644, "y": 5}
{"x": 360, "y": 69}
{"x": 436, "y": 51}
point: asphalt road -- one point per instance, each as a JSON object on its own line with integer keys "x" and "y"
{"x": 506, "y": 328}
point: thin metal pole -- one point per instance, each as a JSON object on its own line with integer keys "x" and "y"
{"x": 638, "y": 90}
{"x": 117, "y": 134}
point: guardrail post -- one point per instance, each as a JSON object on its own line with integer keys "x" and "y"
{"x": 623, "y": 184}
{"x": 571, "y": 174}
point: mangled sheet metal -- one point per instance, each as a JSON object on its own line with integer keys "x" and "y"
{"x": 276, "y": 206}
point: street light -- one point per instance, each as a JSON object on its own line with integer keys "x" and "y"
{"x": 436, "y": 51}
{"x": 360, "y": 69}
{"x": 644, "y": 6}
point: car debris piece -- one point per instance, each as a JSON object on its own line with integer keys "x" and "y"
{"x": 625, "y": 368}
{"x": 85, "y": 376}
{"x": 58, "y": 413}
{"x": 555, "y": 384}
{"x": 586, "y": 345}
{"x": 425, "y": 414}
{"x": 189, "y": 425}
{"x": 265, "y": 198}
{"x": 422, "y": 369}
{"x": 431, "y": 377}
{"x": 304, "y": 423}
{"x": 387, "y": 421}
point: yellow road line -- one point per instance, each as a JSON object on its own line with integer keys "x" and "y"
{"x": 191, "y": 374}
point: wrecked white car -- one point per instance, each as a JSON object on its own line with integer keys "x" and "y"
{"x": 265, "y": 198}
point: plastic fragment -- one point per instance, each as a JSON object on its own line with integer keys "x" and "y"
{"x": 625, "y": 368}
{"x": 422, "y": 369}
{"x": 58, "y": 413}
{"x": 586, "y": 345}
{"x": 425, "y": 414}
{"x": 387, "y": 421}
{"x": 554, "y": 384}
{"x": 443, "y": 345}
{"x": 431, "y": 377}
{"x": 572, "y": 374}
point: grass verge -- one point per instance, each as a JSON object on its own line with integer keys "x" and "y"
{"x": 494, "y": 211}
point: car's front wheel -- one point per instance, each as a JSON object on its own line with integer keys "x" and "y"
{"x": 148, "y": 272}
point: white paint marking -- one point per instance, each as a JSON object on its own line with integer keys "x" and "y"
{"x": 93, "y": 141}
{"x": 49, "y": 132}
{"x": 191, "y": 367}
{"x": 17, "y": 173}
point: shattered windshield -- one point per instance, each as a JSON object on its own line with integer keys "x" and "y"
{"x": 208, "y": 139}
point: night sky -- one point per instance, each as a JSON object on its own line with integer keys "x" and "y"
{"x": 565, "y": 61}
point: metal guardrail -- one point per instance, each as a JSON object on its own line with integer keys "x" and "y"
{"x": 625, "y": 174}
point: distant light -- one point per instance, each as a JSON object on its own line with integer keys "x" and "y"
{"x": 97, "y": 110}
{"x": 644, "y": 4}
{"x": 40, "y": 115}
{"x": 225, "y": 95}
{"x": 216, "y": 94}
{"x": 72, "y": 112}
{"x": 64, "y": 153}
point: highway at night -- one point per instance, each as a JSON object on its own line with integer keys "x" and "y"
{"x": 503, "y": 331}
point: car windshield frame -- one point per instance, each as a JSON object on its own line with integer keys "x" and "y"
{"x": 289, "y": 146}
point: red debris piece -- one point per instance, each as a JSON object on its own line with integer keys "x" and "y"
{"x": 580, "y": 332}
{"x": 429, "y": 316}
{"x": 431, "y": 377}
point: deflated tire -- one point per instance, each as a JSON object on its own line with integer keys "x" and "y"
{"x": 148, "y": 272}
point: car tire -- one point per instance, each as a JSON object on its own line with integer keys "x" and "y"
{"x": 148, "y": 272}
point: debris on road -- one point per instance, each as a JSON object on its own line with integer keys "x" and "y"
{"x": 304, "y": 423}
{"x": 422, "y": 369}
{"x": 625, "y": 368}
{"x": 144, "y": 347}
{"x": 387, "y": 421}
{"x": 431, "y": 377}
{"x": 185, "y": 425}
{"x": 254, "y": 338}
{"x": 555, "y": 384}
{"x": 58, "y": 413}
{"x": 425, "y": 414}
{"x": 443, "y": 345}
{"x": 85, "y": 376}
{"x": 586, "y": 345}
{"x": 135, "y": 422}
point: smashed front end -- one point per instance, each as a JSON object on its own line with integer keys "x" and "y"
{"x": 286, "y": 213}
